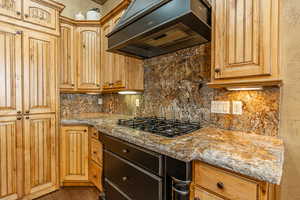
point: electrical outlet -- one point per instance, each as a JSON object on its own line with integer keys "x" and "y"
{"x": 137, "y": 103}
{"x": 222, "y": 107}
{"x": 100, "y": 101}
{"x": 237, "y": 107}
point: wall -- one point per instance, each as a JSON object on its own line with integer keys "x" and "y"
{"x": 75, "y": 6}
{"x": 290, "y": 107}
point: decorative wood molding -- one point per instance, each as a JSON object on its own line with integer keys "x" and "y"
{"x": 238, "y": 83}
{"x": 52, "y": 4}
{"x": 79, "y": 22}
{"x": 121, "y": 6}
{"x": 101, "y": 2}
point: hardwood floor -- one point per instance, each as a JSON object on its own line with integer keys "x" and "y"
{"x": 74, "y": 193}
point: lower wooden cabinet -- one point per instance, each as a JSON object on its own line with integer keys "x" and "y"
{"x": 11, "y": 158}
{"x": 201, "y": 194}
{"x": 211, "y": 183}
{"x": 41, "y": 155}
{"x": 74, "y": 153}
{"x": 81, "y": 157}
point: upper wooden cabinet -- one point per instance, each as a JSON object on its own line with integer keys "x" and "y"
{"x": 118, "y": 72}
{"x": 11, "y": 8}
{"x": 39, "y": 73}
{"x": 10, "y": 70}
{"x": 79, "y": 56}
{"x": 245, "y": 43}
{"x": 41, "y": 15}
{"x": 88, "y": 45}
{"x": 67, "y": 57}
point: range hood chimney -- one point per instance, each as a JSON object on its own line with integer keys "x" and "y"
{"x": 151, "y": 28}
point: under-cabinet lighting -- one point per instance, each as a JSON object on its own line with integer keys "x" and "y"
{"x": 129, "y": 92}
{"x": 244, "y": 88}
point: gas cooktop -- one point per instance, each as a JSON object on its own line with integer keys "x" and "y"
{"x": 160, "y": 126}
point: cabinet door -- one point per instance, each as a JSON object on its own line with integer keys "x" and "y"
{"x": 119, "y": 62}
{"x": 245, "y": 38}
{"x": 203, "y": 195}
{"x": 74, "y": 153}
{"x": 11, "y": 8}
{"x": 67, "y": 57}
{"x": 39, "y": 73}
{"x": 10, "y": 70}
{"x": 39, "y": 14}
{"x": 41, "y": 155}
{"x": 11, "y": 171}
{"x": 106, "y": 57}
{"x": 95, "y": 175}
{"x": 88, "y": 58}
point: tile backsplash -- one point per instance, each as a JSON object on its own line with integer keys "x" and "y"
{"x": 175, "y": 87}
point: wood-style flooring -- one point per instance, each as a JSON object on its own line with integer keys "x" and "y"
{"x": 76, "y": 193}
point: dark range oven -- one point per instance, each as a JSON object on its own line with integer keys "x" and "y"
{"x": 134, "y": 173}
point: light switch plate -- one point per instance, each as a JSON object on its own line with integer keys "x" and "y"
{"x": 137, "y": 103}
{"x": 222, "y": 107}
{"x": 237, "y": 107}
{"x": 100, "y": 101}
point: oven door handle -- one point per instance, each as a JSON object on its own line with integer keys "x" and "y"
{"x": 179, "y": 191}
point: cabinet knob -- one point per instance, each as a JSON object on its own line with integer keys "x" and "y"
{"x": 26, "y": 15}
{"x": 124, "y": 178}
{"x": 27, "y": 117}
{"x": 84, "y": 130}
{"x": 220, "y": 185}
{"x": 73, "y": 85}
{"x": 98, "y": 85}
{"x": 19, "y": 32}
{"x": 95, "y": 152}
{"x": 125, "y": 151}
{"x": 27, "y": 111}
{"x": 217, "y": 70}
{"x": 19, "y": 112}
{"x": 19, "y": 118}
{"x": 18, "y": 13}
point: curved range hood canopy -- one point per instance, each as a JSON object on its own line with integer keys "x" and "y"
{"x": 155, "y": 27}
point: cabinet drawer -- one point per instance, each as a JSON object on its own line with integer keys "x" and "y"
{"x": 39, "y": 14}
{"x": 200, "y": 194}
{"x": 146, "y": 159}
{"x": 95, "y": 174}
{"x": 224, "y": 183}
{"x": 113, "y": 193}
{"x": 132, "y": 180}
{"x": 96, "y": 151}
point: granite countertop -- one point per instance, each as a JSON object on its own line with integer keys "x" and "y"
{"x": 259, "y": 157}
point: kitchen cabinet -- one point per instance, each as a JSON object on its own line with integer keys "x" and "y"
{"x": 28, "y": 140}
{"x": 79, "y": 56}
{"x": 11, "y": 8}
{"x": 245, "y": 43}
{"x": 211, "y": 183}
{"x": 39, "y": 73}
{"x": 39, "y": 15}
{"x": 81, "y": 157}
{"x": 88, "y": 45}
{"x": 74, "y": 153}
{"x": 11, "y": 158}
{"x": 10, "y": 70}
{"x": 67, "y": 57}
{"x": 41, "y": 155}
{"x": 118, "y": 72}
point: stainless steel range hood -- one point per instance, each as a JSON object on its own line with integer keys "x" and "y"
{"x": 151, "y": 28}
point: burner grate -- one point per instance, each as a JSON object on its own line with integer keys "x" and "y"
{"x": 160, "y": 126}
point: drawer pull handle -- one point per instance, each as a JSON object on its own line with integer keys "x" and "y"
{"x": 220, "y": 185}
{"x": 125, "y": 151}
{"x": 124, "y": 178}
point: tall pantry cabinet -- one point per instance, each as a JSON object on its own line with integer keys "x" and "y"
{"x": 28, "y": 103}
